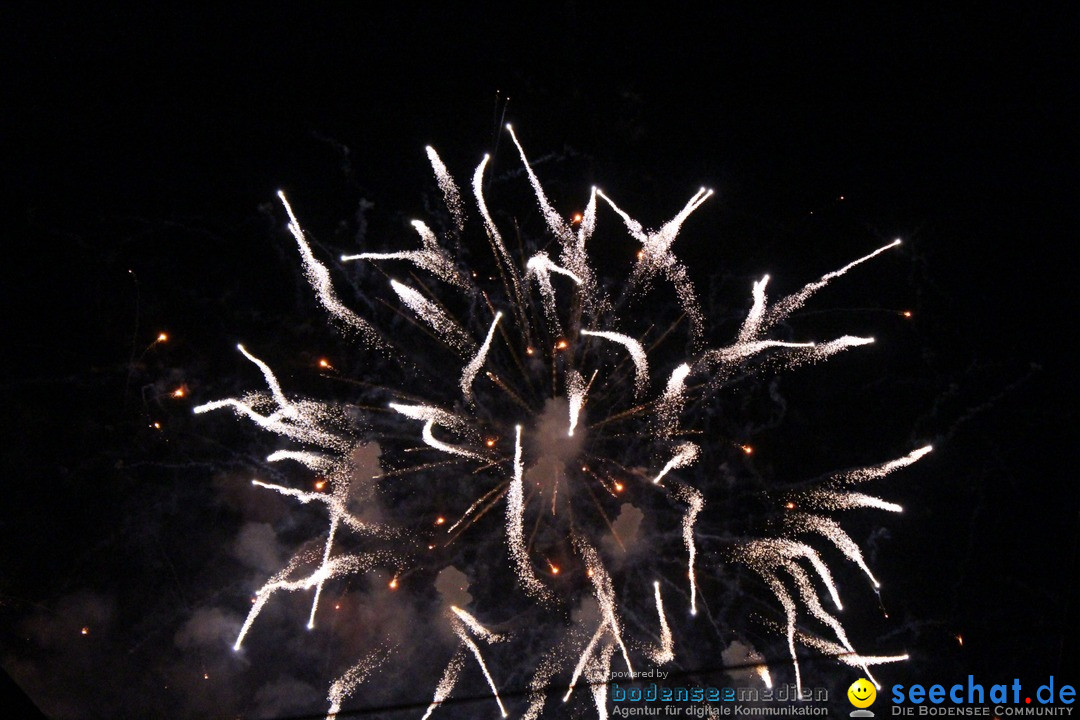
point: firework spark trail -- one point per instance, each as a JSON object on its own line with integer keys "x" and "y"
{"x": 468, "y": 375}
{"x": 575, "y": 395}
{"x": 540, "y": 683}
{"x": 876, "y": 472}
{"x": 334, "y": 522}
{"x": 656, "y": 256}
{"x": 788, "y": 604}
{"x": 473, "y": 624}
{"x": 515, "y": 509}
{"x": 447, "y": 681}
{"x": 605, "y": 594}
{"x": 665, "y": 653}
{"x": 319, "y": 278}
{"x": 584, "y": 658}
{"x": 848, "y": 658}
{"x": 433, "y": 416}
{"x": 431, "y": 258}
{"x": 783, "y": 308}
{"x": 695, "y": 501}
{"x": 598, "y": 671}
{"x": 830, "y": 529}
{"x": 685, "y": 454}
{"x": 335, "y": 502}
{"x": 310, "y": 460}
{"x": 507, "y": 269}
{"x": 672, "y": 402}
{"x": 749, "y": 330}
{"x": 447, "y": 328}
{"x": 468, "y": 642}
{"x": 829, "y": 500}
{"x": 554, "y": 221}
{"x": 450, "y": 191}
{"x": 813, "y": 603}
{"x": 637, "y": 354}
{"x": 345, "y": 685}
{"x": 335, "y": 567}
{"x": 780, "y": 552}
{"x": 287, "y": 410}
{"x": 541, "y": 267}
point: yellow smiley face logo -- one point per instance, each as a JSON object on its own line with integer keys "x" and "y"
{"x": 861, "y": 693}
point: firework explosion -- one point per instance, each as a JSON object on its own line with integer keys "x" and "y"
{"x": 572, "y": 409}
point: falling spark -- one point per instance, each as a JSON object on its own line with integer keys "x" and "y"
{"x": 469, "y": 374}
{"x": 664, "y": 654}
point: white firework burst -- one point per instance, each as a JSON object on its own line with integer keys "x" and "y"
{"x": 544, "y": 401}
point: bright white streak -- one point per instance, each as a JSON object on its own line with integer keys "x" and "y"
{"x": 450, "y": 191}
{"x": 749, "y": 330}
{"x": 813, "y": 603}
{"x": 831, "y": 530}
{"x": 671, "y": 402}
{"x": 665, "y": 653}
{"x": 447, "y": 681}
{"x": 515, "y": 532}
{"x": 333, "y": 502}
{"x": 287, "y": 410}
{"x": 788, "y": 604}
{"x": 637, "y": 354}
{"x": 875, "y": 472}
{"x": 433, "y": 315}
{"x": 791, "y": 303}
{"x": 575, "y": 396}
{"x": 494, "y": 238}
{"x": 345, "y": 685}
{"x": 541, "y": 267}
{"x": 599, "y": 672}
{"x": 300, "y": 429}
{"x": 695, "y": 502}
{"x": 430, "y": 439}
{"x": 656, "y": 255}
{"x": 473, "y": 624}
{"x": 468, "y": 375}
{"x": 431, "y": 257}
{"x": 335, "y": 519}
{"x": 337, "y": 566}
{"x": 849, "y": 658}
{"x": 605, "y": 594}
{"x": 463, "y": 636}
{"x": 310, "y": 460}
{"x": 319, "y": 278}
{"x": 829, "y": 500}
{"x": 685, "y": 454}
{"x": 585, "y": 655}
{"x": 554, "y": 221}
{"x": 767, "y": 554}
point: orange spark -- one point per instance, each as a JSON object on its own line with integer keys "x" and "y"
{"x": 320, "y": 484}
{"x": 325, "y": 364}
{"x": 747, "y": 449}
{"x": 85, "y": 631}
{"x": 562, "y": 345}
{"x": 906, "y": 313}
{"x": 179, "y": 392}
{"x": 440, "y": 520}
{"x": 162, "y": 337}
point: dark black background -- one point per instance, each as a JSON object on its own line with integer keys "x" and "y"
{"x": 140, "y": 144}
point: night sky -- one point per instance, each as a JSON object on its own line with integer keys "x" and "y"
{"x": 142, "y": 150}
